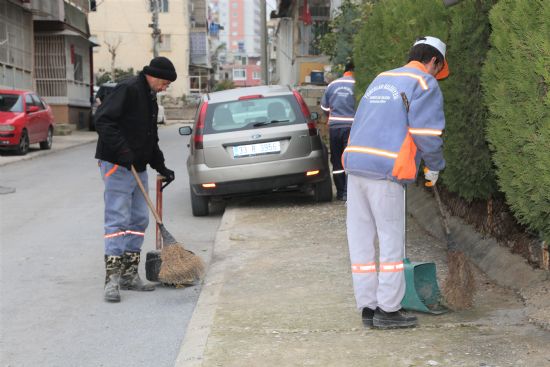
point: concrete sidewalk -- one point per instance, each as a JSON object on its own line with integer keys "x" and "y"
{"x": 278, "y": 293}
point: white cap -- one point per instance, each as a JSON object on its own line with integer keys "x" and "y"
{"x": 434, "y": 42}
{"x": 441, "y": 47}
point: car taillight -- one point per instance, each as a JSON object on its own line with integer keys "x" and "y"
{"x": 199, "y": 128}
{"x": 311, "y": 125}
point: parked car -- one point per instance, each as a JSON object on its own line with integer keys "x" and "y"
{"x": 251, "y": 140}
{"x": 24, "y": 119}
{"x": 103, "y": 91}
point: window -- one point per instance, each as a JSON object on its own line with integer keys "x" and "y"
{"x": 234, "y": 5}
{"x": 77, "y": 68}
{"x": 239, "y": 74}
{"x": 257, "y": 75}
{"x": 163, "y": 5}
{"x": 38, "y": 101}
{"x": 243, "y": 114}
{"x": 28, "y": 101}
{"x": 11, "y": 103}
{"x": 164, "y": 44}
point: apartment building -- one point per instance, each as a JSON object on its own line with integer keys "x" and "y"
{"x": 16, "y": 45}
{"x": 122, "y": 31}
{"x": 45, "y": 46}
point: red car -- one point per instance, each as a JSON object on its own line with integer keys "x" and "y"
{"x": 24, "y": 119}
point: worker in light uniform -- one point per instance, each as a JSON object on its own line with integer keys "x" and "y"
{"x": 399, "y": 122}
{"x": 339, "y": 103}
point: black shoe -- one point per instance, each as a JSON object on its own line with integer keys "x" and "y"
{"x": 343, "y": 197}
{"x": 367, "y": 316}
{"x": 392, "y": 320}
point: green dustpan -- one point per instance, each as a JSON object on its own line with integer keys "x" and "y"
{"x": 421, "y": 289}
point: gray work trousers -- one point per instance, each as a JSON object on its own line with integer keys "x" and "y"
{"x": 126, "y": 211}
{"x": 375, "y": 208}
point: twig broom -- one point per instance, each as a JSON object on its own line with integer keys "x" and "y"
{"x": 459, "y": 287}
{"x": 179, "y": 266}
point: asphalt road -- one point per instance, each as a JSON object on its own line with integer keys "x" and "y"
{"x": 52, "y": 270}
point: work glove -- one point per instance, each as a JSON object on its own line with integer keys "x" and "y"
{"x": 168, "y": 174}
{"x": 126, "y": 159}
{"x": 430, "y": 176}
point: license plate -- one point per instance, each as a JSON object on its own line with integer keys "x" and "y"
{"x": 256, "y": 149}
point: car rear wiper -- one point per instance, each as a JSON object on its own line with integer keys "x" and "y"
{"x": 262, "y": 123}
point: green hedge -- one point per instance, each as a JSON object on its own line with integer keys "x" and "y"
{"x": 384, "y": 40}
{"x": 383, "y": 43}
{"x": 469, "y": 170}
{"x": 516, "y": 81}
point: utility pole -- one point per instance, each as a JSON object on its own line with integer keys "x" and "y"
{"x": 263, "y": 59}
{"x": 155, "y": 25}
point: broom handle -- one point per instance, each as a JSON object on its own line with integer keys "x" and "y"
{"x": 442, "y": 211}
{"x": 146, "y": 196}
{"x": 405, "y": 222}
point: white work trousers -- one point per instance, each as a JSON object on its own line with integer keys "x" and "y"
{"x": 376, "y": 208}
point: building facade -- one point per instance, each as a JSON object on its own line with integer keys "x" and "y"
{"x": 300, "y": 23}
{"x": 122, "y": 31}
{"x": 62, "y": 58}
{"x": 16, "y": 45}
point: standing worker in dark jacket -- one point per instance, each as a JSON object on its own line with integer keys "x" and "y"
{"x": 127, "y": 126}
{"x": 339, "y": 103}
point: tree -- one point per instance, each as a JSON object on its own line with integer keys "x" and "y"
{"x": 112, "y": 47}
{"x": 338, "y": 42}
{"x": 469, "y": 171}
{"x": 120, "y": 74}
{"x": 516, "y": 85}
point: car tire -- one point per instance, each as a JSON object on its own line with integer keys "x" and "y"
{"x": 199, "y": 204}
{"x": 23, "y": 147}
{"x": 322, "y": 191}
{"x": 47, "y": 144}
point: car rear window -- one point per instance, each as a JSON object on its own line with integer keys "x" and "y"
{"x": 11, "y": 103}
{"x": 252, "y": 113}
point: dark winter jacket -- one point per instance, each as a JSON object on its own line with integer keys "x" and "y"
{"x": 126, "y": 122}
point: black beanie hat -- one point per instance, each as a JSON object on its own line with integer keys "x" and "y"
{"x": 162, "y": 68}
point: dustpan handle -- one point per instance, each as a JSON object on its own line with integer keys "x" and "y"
{"x": 146, "y": 196}
{"x": 405, "y": 221}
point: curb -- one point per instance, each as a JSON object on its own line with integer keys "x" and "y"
{"x": 61, "y": 142}
{"x": 503, "y": 267}
{"x": 199, "y": 327}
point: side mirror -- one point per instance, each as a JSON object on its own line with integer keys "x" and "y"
{"x": 32, "y": 109}
{"x": 185, "y": 130}
{"x": 314, "y": 116}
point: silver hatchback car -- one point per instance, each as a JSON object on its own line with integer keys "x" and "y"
{"x": 252, "y": 140}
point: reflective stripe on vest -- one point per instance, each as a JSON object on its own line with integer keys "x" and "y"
{"x": 420, "y": 79}
{"x": 368, "y": 150}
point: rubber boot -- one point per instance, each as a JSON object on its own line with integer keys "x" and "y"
{"x": 130, "y": 277}
{"x": 113, "y": 265}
